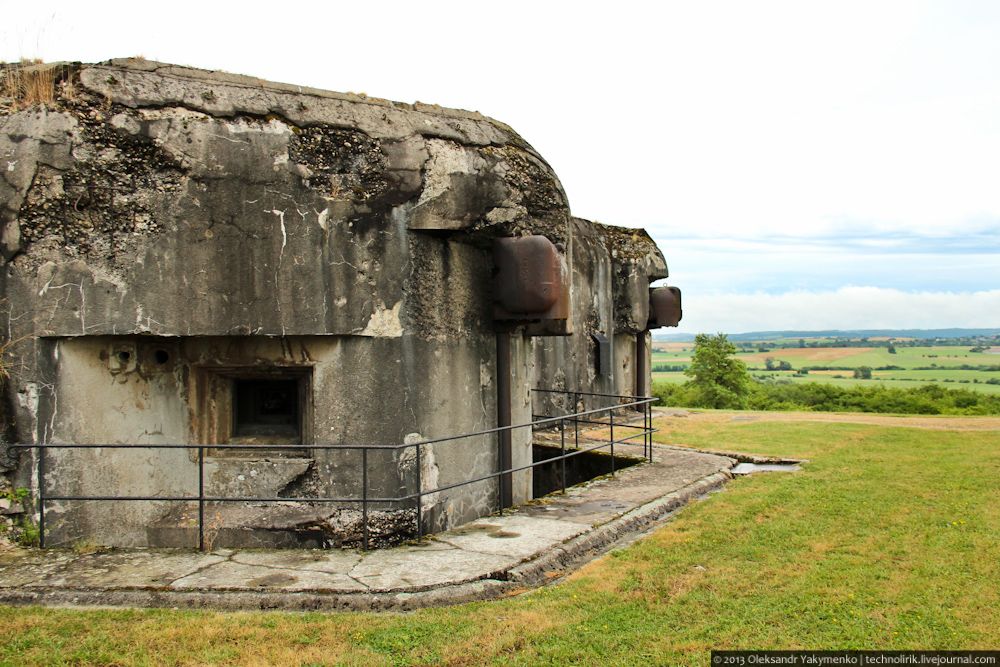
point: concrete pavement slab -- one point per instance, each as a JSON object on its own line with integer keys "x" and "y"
{"x": 486, "y": 558}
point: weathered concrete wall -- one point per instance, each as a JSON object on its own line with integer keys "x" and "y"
{"x": 92, "y": 400}
{"x": 120, "y": 203}
{"x": 238, "y": 224}
{"x": 157, "y": 200}
{"x": 523, "y": 372}
{"x": 646, "y": 381}
{"x": 362, "y": 392}
{"x": 571, "y": 363}
{"x": 612, "y": 270}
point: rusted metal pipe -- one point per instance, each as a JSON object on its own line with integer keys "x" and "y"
{"x": 504, "y": 459}
{"x": 664, "y": 307}
{"x": 640, "y": 367}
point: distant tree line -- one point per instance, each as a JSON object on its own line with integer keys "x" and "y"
{"x": 720, "y": 380}
{"x": 976, "y": 343}
{"x": 929, "y": 399}
{"x": 773, "y": 364}
{"x": 669, "y": 368}
{"x": 992, "y": 368}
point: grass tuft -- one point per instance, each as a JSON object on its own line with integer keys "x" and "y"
{"x": 27, "y": 84}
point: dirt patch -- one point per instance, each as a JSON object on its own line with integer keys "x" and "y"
{"x": 677, "y": 347}
{"x": 809, "y": 353}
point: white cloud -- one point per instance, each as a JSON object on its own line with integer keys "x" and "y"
{"x": 911, "y": 264}
{"x": 844, "y": 308}
{"x": 722, "y": 119}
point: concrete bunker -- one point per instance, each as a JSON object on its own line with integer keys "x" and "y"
{"x": 225, "y": 288}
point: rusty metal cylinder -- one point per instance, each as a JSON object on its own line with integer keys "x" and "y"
{"x": 664, "y": 307}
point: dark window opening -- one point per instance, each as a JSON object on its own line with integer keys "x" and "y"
{"x": 253, "y": 405}
{"x": 264, "y": 408}
{"x": 603, "y": 358}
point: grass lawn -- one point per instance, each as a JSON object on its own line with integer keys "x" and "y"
{"x": 887, "y": 539}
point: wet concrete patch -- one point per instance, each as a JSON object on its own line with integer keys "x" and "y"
{"x": 232, "y": 575}
{"x": 269, "y": 580}
{"x": 520, "y": 536}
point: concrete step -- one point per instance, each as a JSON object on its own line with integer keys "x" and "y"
{"x": 280, "y": 526}
{"x": 234, "y": 476}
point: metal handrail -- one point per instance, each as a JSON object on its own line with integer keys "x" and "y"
{"x": 638, "y": 402}
{"x": 299, "y": 447}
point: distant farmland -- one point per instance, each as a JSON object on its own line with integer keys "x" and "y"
{"x": 915, "y": 366}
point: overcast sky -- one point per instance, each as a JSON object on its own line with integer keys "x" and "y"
{"x": 801, "y": 164}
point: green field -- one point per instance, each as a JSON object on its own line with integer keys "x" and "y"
{"x": 886, "y": 540}
{"x": 901, "y": 382}
{"x": 851, "y": 357}
{"x": 945, "y": 358}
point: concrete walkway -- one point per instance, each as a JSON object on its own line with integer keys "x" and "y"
{"x": 491, "y": 557}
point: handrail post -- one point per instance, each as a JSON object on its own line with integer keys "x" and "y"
{"x": 576, "y": 420}
{"x": 562, "y": 446}
{"x": 649, "y": 428}
{"x": 645, "y": 433}
{"x": 364, "y": 498}
{"x": 500, "y": 472}
{"x": 642, "y": 408}
{"x": 640, "y": 366}
{"x": 612, "y": 424}
{"x": 41, "y": 497}
{"x": 420, "y": 494}
{"x": 201, "y": 498}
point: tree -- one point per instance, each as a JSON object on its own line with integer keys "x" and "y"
{"x": 863, "y": 373}
{"x": 718, "y": 378}
{"x": 773, "y": 364}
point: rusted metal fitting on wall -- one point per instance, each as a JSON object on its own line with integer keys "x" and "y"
{"x": 664, "y": 307}
{"x": 531, "y": 285}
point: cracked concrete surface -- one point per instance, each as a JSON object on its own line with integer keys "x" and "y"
{"x": 491, "y": 557}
